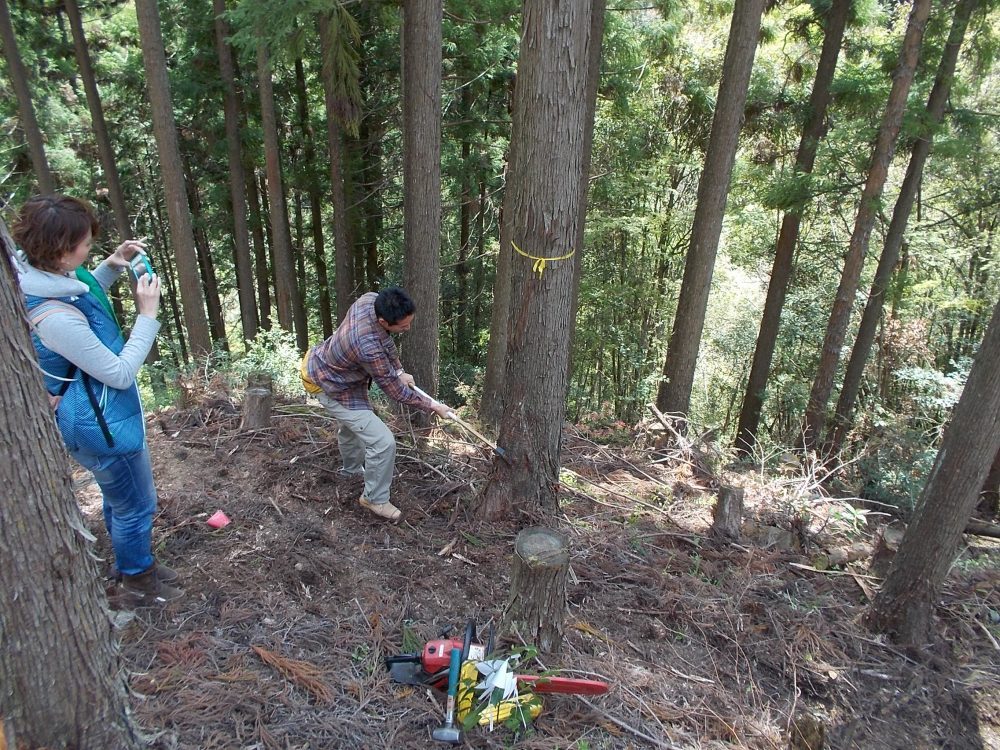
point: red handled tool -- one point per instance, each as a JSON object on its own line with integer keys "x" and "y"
{"x": 430, "y": 667}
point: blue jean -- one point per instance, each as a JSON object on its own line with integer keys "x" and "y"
{"x": 129, "y": 504}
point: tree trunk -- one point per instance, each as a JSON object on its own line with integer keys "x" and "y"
{"x": 160, "y": 238}
{"x": 315, "y": 198}
{"x": 598, "y": 10}
{"x": 340, "y": 116}
{"x": 904, "y": 606}
{"x": 989, "y": 495}
{"x": 713, "y": 189}
{"x": 259, "y": 248}
{"x": 165, "y": 132}
{"x": 540, "y": 216}
{"x": 26, "y": 110}
{"x": 286, "y": 290}
{"x": 104, "y": 148}
{"x": 784, "y": 251}
{"x": 840, "y": 315}
{"x": 897, "y": 226}
{"x": 209, "y": 282}
{"x": 64, "y": 685}
{"x": 421, "y": 41}
{"x": 237, "y": 176}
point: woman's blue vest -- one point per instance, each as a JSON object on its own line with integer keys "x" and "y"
{"x": 123, "y": 430}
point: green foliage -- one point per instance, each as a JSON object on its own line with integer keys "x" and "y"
{"x": 273, "y": 352}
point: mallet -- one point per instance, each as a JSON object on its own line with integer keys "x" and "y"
{"x": 449, "y": 732}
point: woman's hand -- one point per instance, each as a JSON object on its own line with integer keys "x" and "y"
{"x": 125, "y": 252}
{"x": 147, "y": 295}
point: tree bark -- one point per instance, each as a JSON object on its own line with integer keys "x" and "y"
{"x": 165, "y": 132}
{"x": 344, "y": 280}
{"x": 209, "y": 282}
{"x": 26, "y": 110}
{"x": 989, "y": 495}
{"x": 63, "y": 681}
{"x": 540, "y": 216}
{"x": 904, "y": 605}
{"x": 98, "y": 123}
{"x": 713, "y": 189}
{"x": 237, "y": 176}
{"x": 897, "y": 226}
{"x": 728, "y": 513}
{"x": 598, "y": 9}
{"x": 259, "y": 248}
{"x": 840, "y": 315}
{"x": 315, "y": 198}
{"x": 421, "y": 40}
{"x": 286, "y": 291}
{"x": 537, "y": 604}
{"x": 784, "y": 250}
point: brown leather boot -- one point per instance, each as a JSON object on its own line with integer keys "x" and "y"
{"x": 146, "y": 589}
{"x": 165, "y": 574}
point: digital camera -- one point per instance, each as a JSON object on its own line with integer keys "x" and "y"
{"x": 140, "y": 265}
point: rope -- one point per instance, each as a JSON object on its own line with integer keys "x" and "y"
{"x": 539, "y": 265}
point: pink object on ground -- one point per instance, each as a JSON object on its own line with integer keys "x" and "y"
{"x": 218, "y": 520}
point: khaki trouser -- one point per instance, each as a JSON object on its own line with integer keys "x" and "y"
{"x": 366, "y": 445}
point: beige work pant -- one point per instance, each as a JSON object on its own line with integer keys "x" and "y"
{"x": 366, "y": 445}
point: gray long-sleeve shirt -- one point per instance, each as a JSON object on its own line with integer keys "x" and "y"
{"x": 68, "y": 334}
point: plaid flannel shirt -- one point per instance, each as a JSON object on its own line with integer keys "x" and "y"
{"x": 359, "y": 352}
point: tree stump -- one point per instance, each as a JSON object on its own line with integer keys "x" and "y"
{"x": 728, "y": 514}
{"x": 257, "y": 402}
{"x": 260, "y": 380}
{"x": 538, "y": 587}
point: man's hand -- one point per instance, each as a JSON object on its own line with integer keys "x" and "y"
{"x": 406, "y": 379}
{"x": 442, "y": 410}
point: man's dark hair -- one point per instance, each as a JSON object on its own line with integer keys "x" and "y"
{"x": 393, "y": 304}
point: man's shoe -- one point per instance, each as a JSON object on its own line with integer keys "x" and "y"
{"x": 345, "y": 474}
{"x": 385, "y": 510}
{"x": 146, "y": 589}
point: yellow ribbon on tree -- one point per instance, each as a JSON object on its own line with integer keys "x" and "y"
{"x": 539, "y": 266}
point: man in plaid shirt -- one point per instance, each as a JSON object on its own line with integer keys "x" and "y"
{"x": 339, "y": 372}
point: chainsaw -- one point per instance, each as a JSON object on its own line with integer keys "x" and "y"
{"x": 429, "y": 667}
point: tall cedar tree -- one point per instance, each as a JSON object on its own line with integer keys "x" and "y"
{"x": 897, "y": 226}
{"x": 178, "y": 214}
{"x": 314, "y": 189}
{"x": 784, "y": 249}
{"x": 332, "y": 33}
{"x": 237, "y": 176}
{"x": 422, "y": 185}
{"x": 63, "y": 681}
{"x": 904, "y": 606}
{"x": 26, "y": 110}
{"x": 291, "y": 313}
{"x": 105, "y": 150}
{"x": 885, "y": 145}
{"x": 540, "y": 214}
{"x": 674, "y": 394}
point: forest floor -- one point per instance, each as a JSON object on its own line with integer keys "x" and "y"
{"x": 705, "y": 643}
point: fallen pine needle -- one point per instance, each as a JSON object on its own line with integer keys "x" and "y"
{"x": 302, "y": 673}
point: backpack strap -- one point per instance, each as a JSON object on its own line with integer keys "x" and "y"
{"x": 39, "y": 313}
{"x": 51, "y": 307}
{"x": 98, "y": 411}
